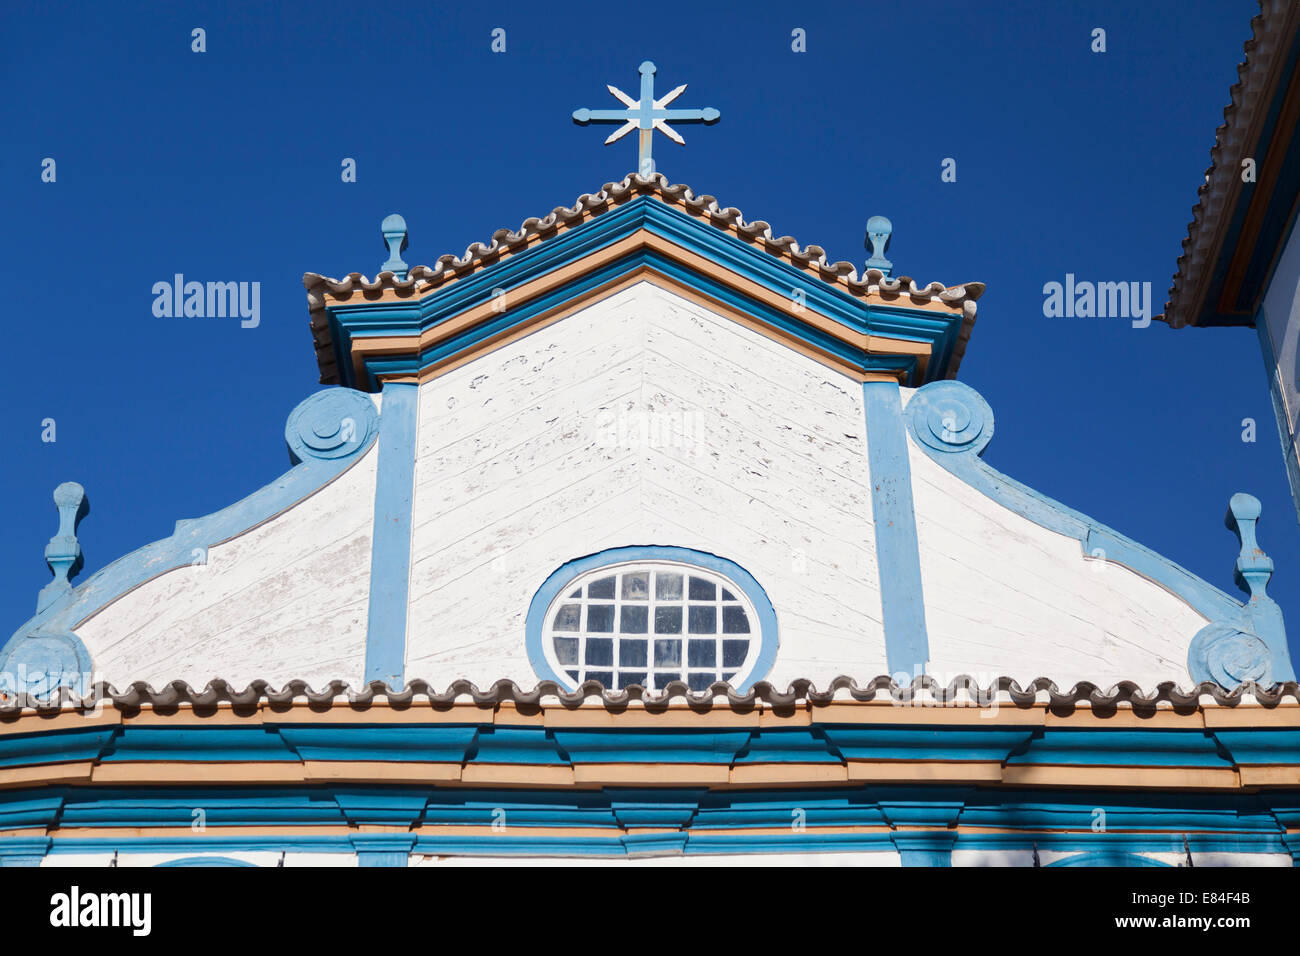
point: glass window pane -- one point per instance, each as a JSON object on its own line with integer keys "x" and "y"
{"x": 668, "y": 620}
{"x": 606, "y": 678}
{"x": 633, "y": 620}
{"x": 702, "y": 589}
{"x": 699, "y": 682}
{"x": 568, "y": 617}
{"x": 627, "y": 678}
{"x": 604, "y": 588}
{"x": 668, "y": 653}
{"x": 573, "y": 676}
{"x": 727, "y": 595}
{"x": 668, "y": 586}
{"x": 636, "y": 586}
{"x": 704, "y": 620}
{"x": 600, "y": 651}
{"x": 632, "y": 653}
{"x": 733, "y": 653}
{"x": 662, "y": 678}
{"x": 566, "y": 650}
{"x": 735, "y": 620}
{"x": 576, "y": 594}
{"x": 728, "y": 675}
{"x": 702, "y": 654}
{"x": 600, "y": 618}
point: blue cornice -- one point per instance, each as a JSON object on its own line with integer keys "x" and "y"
{"x": 727, "y": 745}
{"x": 735, "y": 821}
{"x": 348, "y": 321}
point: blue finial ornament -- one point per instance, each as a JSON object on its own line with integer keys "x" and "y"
{"x": 879, "y": 229}
{"x": 394, "y": 229}
{"x": 1253, "y": 646}
{"x": 646, "y": 115}
{"x": 1254, "y": 567}
{"x": 63, "y": 553}
{"x": 40, "y": 660}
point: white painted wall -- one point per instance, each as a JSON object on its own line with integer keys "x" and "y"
{"x": 288, "y": 599}
{"x": 643, "y": 419}
{"x": 1005, "y": 596}
{"x": 1282, "y": 321}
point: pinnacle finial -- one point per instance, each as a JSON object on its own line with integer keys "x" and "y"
{"x": 879, "y": 230}
{"x": 395, "y": 236}
{"x": 63, "y": 553}
{"x": 1254, "y": 567}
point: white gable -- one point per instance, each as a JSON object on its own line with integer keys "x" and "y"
{"x": 643, "y": 420}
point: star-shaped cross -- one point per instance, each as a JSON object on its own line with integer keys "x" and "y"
{"x": 647, "y": 115}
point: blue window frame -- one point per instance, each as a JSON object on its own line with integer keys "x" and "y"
{"x": 649, "y": 616}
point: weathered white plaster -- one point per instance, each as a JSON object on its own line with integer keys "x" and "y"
{"x": 1005, "y": 596}
{"x": 286, "y": 600}
{"x": 642, "y": 419}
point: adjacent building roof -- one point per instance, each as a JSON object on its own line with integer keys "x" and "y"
{"x": 1197, "y": 296}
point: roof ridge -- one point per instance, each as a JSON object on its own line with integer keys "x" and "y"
{"x": 705, "y": 207}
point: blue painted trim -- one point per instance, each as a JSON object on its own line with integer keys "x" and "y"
{"x": 390, "y": 550}
{"x": 952, "y": 424}
{"x": 207, "y": 861}
{"x": 1107, "y": 858}
{"x": 326, "y": 434}
{"x": 926, "y": 848}
{"x": 898, "y": 556}
{"x": 383, "y": 849}
{"x": 1279, "y": 407}
{"x": 769, "y": 639}
{"x": 1094, "y": 847}
{"x": 349, "y": 320}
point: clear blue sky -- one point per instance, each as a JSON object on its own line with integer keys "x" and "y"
{"x": 225, "y": 166}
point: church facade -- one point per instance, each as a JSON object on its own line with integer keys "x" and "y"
{"x": 642, "y": 534}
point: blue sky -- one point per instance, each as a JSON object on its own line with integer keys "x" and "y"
{"x": 225, "y": 166}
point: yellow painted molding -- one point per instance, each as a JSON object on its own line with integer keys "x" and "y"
{"x": 517, "y": 775}
{"x": 143, "y": 773}
{"x": 1145, "y": 778}
{"x": 79, "y": 771}
{"x": 762, "y": 774}
{"x": 381, "y": 771}
{"x": 675, "y": 774}
{"x": 924, "y": 771}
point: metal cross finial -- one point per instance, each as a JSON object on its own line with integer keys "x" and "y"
{"x": 647, "y": 115}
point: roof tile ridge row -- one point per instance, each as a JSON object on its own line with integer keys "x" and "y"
{"x": 872, "y": 281}
{"x": 960, "y": 690}
{"x": 1221, "y": 176}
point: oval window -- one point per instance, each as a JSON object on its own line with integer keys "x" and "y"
{"x": 649, "y": 623}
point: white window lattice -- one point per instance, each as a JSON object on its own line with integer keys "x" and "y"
{"x": 650, "y": 623}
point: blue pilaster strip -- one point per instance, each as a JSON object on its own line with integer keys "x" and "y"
{"x": 907, "y": 648}
{"x": 390, "y": 554}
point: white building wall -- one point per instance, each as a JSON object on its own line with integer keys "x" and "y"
{"x": 641, "y": 420}
{"x": 1282, "y": 325}
{"x": 288, "y": 599}
{"x": 1005, "y": 596}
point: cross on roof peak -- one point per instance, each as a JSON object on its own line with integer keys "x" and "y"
{"x": 646, "y": 115}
